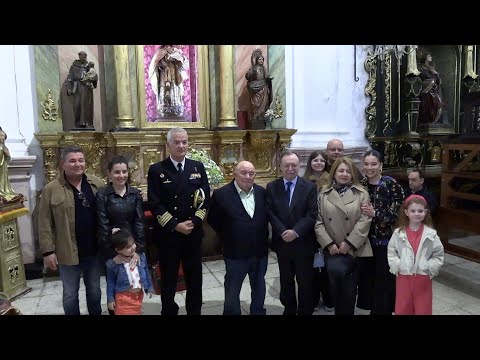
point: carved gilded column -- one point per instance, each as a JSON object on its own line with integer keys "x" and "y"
{"x": 261, "y": 150}
{"x": 125, "y": 119}
{"x": 413, "y": 86}
{"x": 227, "y": 93}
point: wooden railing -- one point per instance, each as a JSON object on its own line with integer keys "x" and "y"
{"x": 458, "y": 219}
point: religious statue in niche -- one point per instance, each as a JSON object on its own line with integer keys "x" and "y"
{"x": 431, "y": 100}
{"x": 7, "y": 194}
{"x": 167, "y": 72}
{"x": 81, "y": 81}
{"x": 259, "y": 85}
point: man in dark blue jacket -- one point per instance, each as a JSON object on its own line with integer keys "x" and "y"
{"x": 239, "y": 217}
{"x": 292, "y": 211}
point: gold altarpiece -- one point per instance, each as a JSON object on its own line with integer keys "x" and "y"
{"x": 447, "y": 151}
{"x": 143, "y": 142}
{"x": 394, "y": 89}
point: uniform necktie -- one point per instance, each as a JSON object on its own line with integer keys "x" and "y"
{"x": 179, "y": 166}
{"x": 289, "y": 185}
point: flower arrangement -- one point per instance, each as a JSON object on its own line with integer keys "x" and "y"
{"x": 214, "y": 173}
{"x": 269, "y": 115}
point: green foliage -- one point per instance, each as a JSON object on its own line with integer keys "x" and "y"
{"x": 214, "y": 173}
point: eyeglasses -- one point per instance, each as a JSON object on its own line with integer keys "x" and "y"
{"x": 85, "y": 202}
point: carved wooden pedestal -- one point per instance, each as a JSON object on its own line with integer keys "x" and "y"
{"x": 12, "y": 271}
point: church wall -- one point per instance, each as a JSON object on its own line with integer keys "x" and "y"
{"x": 276, "y": 59}
{"x": 323, "y": 100}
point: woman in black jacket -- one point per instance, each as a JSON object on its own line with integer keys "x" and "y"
{"x": 119, "y": 205}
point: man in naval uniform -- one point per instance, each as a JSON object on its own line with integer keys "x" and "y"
{"x": 178, "y": 196}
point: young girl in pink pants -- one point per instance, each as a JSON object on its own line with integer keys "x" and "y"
{"x": 415, "y": 255}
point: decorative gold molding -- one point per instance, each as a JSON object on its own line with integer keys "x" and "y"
{"x": 50, "y": 112}
{"x": 229, "y": 143}
{"x": 386, "y": 153}
{"x": 278, "y": 110}
{"x": 93, "y": 157}
{"x": 132, "y": 154}
{"x": 260, "y": 150}
{"x": 371, "y": 68}
{"x": 203, "y": 93}
{"x": 150, "y": 157}
{"x": 143, "y": 148}
{"x": 229, "y": 155}
{"x": 388, "y": 94}
{"x": 10, "y": 238}
{"x": 50, "y": 159}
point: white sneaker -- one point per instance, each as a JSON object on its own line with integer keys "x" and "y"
{"x": 359, "y": 311}
{"x": 329, "y": 309}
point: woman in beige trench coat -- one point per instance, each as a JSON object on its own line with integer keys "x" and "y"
{"x": 342, "y": 232}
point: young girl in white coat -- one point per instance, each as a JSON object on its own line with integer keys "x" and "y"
{"x": 415, "y": 255}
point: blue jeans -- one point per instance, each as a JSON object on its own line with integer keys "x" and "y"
{"x": 236, "y": 270}
{"x": 70, "y": 276}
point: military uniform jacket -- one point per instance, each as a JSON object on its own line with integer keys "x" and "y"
{"x": 171, "y": 196}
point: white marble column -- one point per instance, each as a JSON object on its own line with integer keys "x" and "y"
{"x": 323, "y": 99}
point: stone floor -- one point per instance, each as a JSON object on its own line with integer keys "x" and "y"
{"x": 456, "y": 291}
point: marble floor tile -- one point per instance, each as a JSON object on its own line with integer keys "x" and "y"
{"x": 441, "y": 306}
{"x": 455, "y": 311}
{"x": 53, "y": 287}
{"x": 36, "y": 283}
{"x": 220, "y": 276}
{"x": 273, "y": 255}
{"x": 210, "y": 281}
{"x": 455, "y": 292}
{"x": 27, "y": 305}
{"x": 273, "y": 306}
{"x": 217, "y": 265}
{"x": 205, "y": 269}
{"x": 213, "y": 310}
{"x": 50, "y": 304}
{"x": 213, "y": 297}
{"x": 451, "y": 259}
{"x": 472, "y": 308}
{"x": 272, "y": 271}
{"x": 273, "y": 288}
{"x": 272, "y": 259}
{"x": 35, "y": 292}
{"x": 151, "y": 308}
